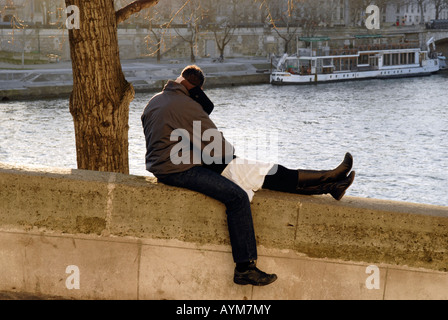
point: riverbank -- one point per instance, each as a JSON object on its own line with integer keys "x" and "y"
{"x": 55, "y": 80}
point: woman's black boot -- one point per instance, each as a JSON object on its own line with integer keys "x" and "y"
{"x": 336, "y": 189}
{"x": 309, "y": 178}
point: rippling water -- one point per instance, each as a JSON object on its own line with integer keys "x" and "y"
{"x": 397, "y": 131}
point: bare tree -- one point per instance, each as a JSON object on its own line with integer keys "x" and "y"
{"x": 223, "y": 26}
{"x": 439, "y": 6}
{"x": 191, "y": 18}
{"x": 223, "y": 33}
{"x": 383, "y": 4}
{"x": 357, "y": 9}
{"x": 157, "y": 27}
{"x": 313, "y": 14}
{"x": 101, "y": 95}
{"x": 421, "y": 5}
{"x": 284, "y": 17}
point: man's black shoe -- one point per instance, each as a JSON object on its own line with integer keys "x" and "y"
{"x": 253, "y": 276}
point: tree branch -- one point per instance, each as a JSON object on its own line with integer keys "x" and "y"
{"x": 132, "y": 8}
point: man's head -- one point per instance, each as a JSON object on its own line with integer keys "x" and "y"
{"x": 194, "y": 75}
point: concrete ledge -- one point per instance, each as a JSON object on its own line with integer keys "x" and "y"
{"x": 135, "y": 239}
{"x": 145, "y": 77}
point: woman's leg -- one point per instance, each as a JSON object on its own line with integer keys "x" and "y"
{"x": 312, "y": 182}
{"x": 284, "y": 180}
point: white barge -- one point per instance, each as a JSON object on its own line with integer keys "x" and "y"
{"x": 364, "y": 62}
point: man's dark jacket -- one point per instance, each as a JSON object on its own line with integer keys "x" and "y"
{"x": 174, "y": 110}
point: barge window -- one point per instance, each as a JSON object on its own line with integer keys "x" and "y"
{"x": 337, "y": 64}
{"x": 363, "y": 59}
{"x": 403, "y": 58}
{"x": 395, "y": 59}
{"x": 387, "y": 60}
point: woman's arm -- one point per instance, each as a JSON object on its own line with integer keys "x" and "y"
{"x": 198, "y": 95}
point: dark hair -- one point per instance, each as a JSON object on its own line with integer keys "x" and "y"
{"x": 194, "y": 75}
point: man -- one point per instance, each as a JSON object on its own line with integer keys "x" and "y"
{"x": 179, "y": 108}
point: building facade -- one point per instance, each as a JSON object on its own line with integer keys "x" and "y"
{"x": 244, "y": 12}
{"x": 255, "y": 27}
{"x": 33, "y": 12}
{"x": 414, "y": 12}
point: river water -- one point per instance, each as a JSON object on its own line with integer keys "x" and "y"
{"x": 396, "y": 130}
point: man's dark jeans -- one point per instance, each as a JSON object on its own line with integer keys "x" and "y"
{"x": 236, "y": 200}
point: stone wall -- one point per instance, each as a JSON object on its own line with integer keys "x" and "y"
{"x": 132, "y": 238}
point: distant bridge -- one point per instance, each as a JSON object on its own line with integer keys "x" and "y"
{"x": 441, "y": 39}
{"x": 440, "y": 35}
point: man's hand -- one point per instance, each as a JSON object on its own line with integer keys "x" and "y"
{"x": 185, "y": 83}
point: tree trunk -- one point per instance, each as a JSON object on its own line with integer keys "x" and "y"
{"x": 101, "y": 95}
{"x": 220, "y": 47}
{"x": 286, "y": 46}
{"x": 192, "y": 55}
{"x": 159, "y": 51}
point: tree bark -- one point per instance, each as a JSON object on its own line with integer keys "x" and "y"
{"x": 101, "y": 95}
